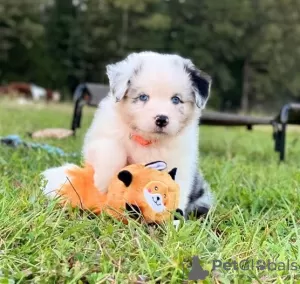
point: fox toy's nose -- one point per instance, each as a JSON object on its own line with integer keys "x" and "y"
{"x": 161, "y": 120}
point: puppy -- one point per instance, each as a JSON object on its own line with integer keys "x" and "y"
{"x": 152, "y": 113}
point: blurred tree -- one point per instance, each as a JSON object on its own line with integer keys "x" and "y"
{"x": 250, "y": 47}
{"x": 61, "y": 37}
{"x": 20, "y": 31}
{"x": 244, "y": 40}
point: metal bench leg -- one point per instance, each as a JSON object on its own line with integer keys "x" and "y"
{"x": 76, "y": 121}
{"x": 279, "y": 137}
{"x": 282, "y": 142}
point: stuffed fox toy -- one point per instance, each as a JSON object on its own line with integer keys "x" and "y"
{"x": 145, "y": 190}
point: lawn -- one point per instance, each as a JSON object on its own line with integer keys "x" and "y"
{"x": 256, "y": 215}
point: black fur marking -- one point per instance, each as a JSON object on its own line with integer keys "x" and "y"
{"x": 198, "y": 212}
{"x": 135, "y": 100}
{"x": 196, "y": 194}
{"x": 137, "y": 70}
{"x": 172, "y": 173}
{"x": 197, "y": 188}
{"x": 181, "y": 110}
{"x": 125, "y": 177}
{"x": 133, "y": 211}
{"x": 195, "y": 206}
{"x": 178, "y": 212}
{"x": 200, "y": 81}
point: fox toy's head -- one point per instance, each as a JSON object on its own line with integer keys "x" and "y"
{"x": 156, "y": 195}
{"x": 147, "y": 191}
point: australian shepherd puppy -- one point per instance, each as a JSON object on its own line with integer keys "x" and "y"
{"x": 152, "y": 113}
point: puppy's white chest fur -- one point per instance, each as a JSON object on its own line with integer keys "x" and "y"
{"x": 177, "y": 151}
{"x": 145, "y": 154}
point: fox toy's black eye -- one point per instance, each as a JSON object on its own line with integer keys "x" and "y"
{"x": 143, "y": 97}
{"x": 156, "y": 188}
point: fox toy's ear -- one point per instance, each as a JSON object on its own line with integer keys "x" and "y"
{"x": 158, "y": 165}
{"x": 125, "y": 177}
{"x": 172, "y": 173}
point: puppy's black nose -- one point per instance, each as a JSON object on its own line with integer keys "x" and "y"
{"x": 161, "y": 120}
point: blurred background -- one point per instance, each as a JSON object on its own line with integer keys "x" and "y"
{"x": 251, "y": 48}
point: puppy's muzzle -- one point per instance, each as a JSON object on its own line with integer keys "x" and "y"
{"x": 161, "y": 121}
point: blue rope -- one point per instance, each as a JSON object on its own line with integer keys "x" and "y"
{"x": 16, "y": 141}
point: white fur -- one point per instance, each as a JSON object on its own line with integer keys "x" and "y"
{"x": 207, "y": 199}
{"x": 54, "y": 178}
{"x": 108, "y": 146}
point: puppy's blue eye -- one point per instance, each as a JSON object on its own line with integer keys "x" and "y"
{"x": 144, "y": 97}
{"x": 175, "y": 100}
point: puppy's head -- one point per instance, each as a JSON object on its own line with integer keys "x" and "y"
{"x": 158, "y": 94}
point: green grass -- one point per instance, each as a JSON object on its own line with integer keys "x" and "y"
{"x": 257, "y": 213}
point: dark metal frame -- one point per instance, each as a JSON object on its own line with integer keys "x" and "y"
{"x": 77, "y": 114}
{"x": 289, "y": 114}
{"x": 82, "y": 97}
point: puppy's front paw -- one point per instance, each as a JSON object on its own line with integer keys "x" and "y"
{"x": 176, "y": 224}
{"x": 178, "y": 217}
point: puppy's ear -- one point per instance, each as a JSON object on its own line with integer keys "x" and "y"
{"x": 120, "y": 74}
{"x": 201, "y": 83}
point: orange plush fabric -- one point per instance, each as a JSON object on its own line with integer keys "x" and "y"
{"x": 154, "y": 192}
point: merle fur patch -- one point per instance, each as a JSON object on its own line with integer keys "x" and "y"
{"x": 197, "y": 205}
{"x": 197, "y": 189}
{"x": 200, "y": 81}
